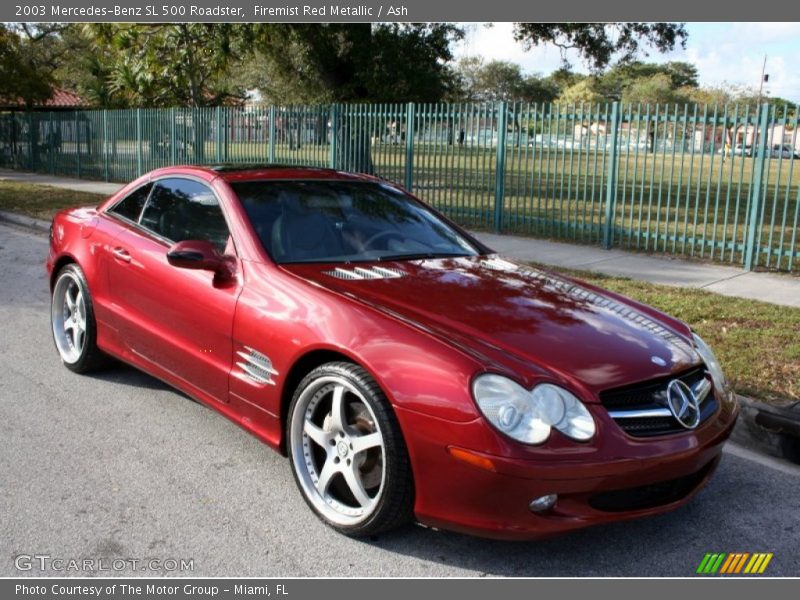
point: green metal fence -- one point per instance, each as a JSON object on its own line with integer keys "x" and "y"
{"x": 716, "y": 182}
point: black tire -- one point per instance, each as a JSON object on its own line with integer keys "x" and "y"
{"x": 89, "y": 357}
{"x": 393, "y": 502}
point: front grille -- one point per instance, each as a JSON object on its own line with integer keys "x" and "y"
{"x": 651, "y": 495}
{"x": 641, "y": 410}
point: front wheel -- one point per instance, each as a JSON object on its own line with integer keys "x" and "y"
{"x": 73, "y": 324}
{"x": 347, "y": 452}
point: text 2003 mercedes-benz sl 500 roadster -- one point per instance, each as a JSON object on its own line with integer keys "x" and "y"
{"x": 408, "y": 372}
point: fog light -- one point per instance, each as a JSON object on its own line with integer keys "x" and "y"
{"x": 543, "y": 503}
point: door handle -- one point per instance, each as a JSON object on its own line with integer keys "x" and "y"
{"x": 121, "y": 255}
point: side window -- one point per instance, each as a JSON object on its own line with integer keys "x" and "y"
{"x": 131, "y": 206}
{"x": 182, "y": 209}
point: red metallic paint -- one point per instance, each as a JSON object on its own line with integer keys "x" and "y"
{"x": 423, "y": 337}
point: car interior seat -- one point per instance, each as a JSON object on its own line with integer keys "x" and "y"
{"x": 303, "y": 232}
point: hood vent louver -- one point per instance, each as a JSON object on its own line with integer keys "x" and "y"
{"x": 360, "y": 273}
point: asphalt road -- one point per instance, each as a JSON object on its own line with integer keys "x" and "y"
{"x": 119, "y": 465}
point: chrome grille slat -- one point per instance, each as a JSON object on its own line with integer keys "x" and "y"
{"x": 647, "y": 413}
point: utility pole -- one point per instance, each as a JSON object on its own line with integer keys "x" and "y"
{"x": 764, "y": 77}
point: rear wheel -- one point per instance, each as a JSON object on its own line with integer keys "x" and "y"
{"x": 73, "y": 324}
{"x": 347, "y": 452}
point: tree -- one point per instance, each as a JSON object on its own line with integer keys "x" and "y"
{"x": 718, "y": 96}
{"x": 357, "y": 62}
{"x": 656, "y": 89}
{"x": 682, "y": 74}
{"x": 599, "y": 43}
{"x": 183, "y": 64}
{"x": 563, "y": 78}
{"x": 25, "y": 75}
{"x": 583, "y": 92}
{"x": 360, "y": 62}
{"x": 500, "y": 80}
{"x": 613, "y": 82}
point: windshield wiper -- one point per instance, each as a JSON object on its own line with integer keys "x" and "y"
{"x": 421, "y": 255}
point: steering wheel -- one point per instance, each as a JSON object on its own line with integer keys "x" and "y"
{"x": 380, "y": 235}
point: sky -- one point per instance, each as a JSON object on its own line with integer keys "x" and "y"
{"x": 731, "y": 53}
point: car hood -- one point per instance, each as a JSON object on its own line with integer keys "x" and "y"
{"x": 533, "y": 320}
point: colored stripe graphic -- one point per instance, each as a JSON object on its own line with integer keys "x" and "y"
{"x": 703, "y": 563}
{"x": 711, "y": 563}
{"x": 726, "y": 567}
{"x": 741, "y": 562}
{"x": 765, "y": 563}
{"x": 733, "y": 563}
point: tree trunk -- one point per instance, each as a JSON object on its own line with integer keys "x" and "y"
{"x": 354, "y": 149}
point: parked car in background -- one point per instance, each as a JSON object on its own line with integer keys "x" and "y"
{"x": 780, "y": 151}
{"x": 738, "y": 150}
{"x": 406, "y": 370}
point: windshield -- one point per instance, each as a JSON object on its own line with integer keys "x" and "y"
{"x": 345, "y": 221}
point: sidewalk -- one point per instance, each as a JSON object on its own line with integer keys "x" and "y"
{"x": 722, "y": 279}
{"x": 67, "y": 183}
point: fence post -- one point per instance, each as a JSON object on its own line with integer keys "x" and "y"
{"x": 106, "y": 174}
{"x": 78, "y": 142}
{"x": 334, "y": 117}
{"x": 51, "y": 159}
{"x": 272, "y": 129}
{"x": 756, "y": 195}
{"x": 139, "y": 149}
{"x": 218, "y": 140}
{"x": 411, "y": 112}
{"x": 611, "y": 178}
{"x": 173, "y": 137}
{"x": 32, "y": 143}
{"x": 500, "y": 166}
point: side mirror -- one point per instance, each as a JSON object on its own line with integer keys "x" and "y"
{"x": 201, "y": 255}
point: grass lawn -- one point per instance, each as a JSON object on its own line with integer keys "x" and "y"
{"x": 758, "y": 343}
{"x": 42, "y": 201}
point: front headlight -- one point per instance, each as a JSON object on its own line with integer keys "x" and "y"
{"x": 712, "y": 364}
{"x": 528, "y": 416}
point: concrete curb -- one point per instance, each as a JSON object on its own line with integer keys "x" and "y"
{"x": 25, "y": 221}
{"x": 768, "y": 429}
{"x": 757, "y": 428}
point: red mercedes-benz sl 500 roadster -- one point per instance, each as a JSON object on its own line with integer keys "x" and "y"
{"x": 406, "y": 370}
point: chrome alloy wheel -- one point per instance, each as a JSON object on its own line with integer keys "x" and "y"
{"x": 338, "y": 451}
{"x": 68, "y": 315}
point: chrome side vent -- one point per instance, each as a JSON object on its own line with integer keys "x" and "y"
{"x": 255, "y": 367}
{"x": 360, "y": 273}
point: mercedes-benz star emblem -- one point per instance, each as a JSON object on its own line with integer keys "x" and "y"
{"x": 341, "y": 449}
{"x": 682, "y": 403}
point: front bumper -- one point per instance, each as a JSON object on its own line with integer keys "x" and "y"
{"x": 625, "y": 479}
